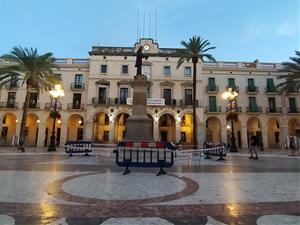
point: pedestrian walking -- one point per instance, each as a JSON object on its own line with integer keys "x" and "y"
{"x": 253, "y": 146}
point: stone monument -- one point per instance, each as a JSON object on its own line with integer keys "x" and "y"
{"x": 139, "y": 127}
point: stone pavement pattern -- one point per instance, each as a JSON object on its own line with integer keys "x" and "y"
{"x": 55, "y": 189}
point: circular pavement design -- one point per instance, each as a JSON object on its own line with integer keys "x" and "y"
{"x": 136, "y": 188}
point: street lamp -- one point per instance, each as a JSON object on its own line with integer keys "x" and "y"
{"x": 231, "y": 96}
{"x": 55, "y": 94}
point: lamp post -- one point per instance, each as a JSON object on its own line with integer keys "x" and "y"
{"x": 55, "y": 94}
{"x": 231, "y": 96}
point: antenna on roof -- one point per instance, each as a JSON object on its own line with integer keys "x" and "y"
{"x": 155, "y": 27}
{"x": 137, "y": 27}
{"x": 144, "y": 24}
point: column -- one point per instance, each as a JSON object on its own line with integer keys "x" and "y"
{"x": 88, "y": 131}
{"x": 63, "y": 134}
{"x": 177, "y": 131}
{"x": 244, "y": 137}
{"x": 156, "y": 131}
{"x": 41, "y": 134}
{"x": 264, "y": 133}
{"x": 111, "y": 136}
{"x": 201, "y": 134}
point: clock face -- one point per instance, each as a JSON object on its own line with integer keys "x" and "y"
{"x": 146, "y": 47}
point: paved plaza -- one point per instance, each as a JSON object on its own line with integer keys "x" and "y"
{"x": 52, "y": 188}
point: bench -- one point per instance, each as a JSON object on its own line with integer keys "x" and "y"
{"x": 72, "y": 147}
{"x": 144, "y": 154}
{"x": 217, "y": 151}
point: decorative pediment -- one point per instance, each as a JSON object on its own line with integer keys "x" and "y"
{"x": 123, "y": 82}
{"x": 146, "y": 63}
{"x": 188, "y": 83}
{"x": 103, "y": 82}
{"x": 166, "y": 83}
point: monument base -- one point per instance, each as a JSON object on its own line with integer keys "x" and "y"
{"x": 139, "y": 129}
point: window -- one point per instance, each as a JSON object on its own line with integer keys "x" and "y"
{"x": 231, "y": 83}
{"x": 187, "y": 71}
{"x": 167, "y": 70}
{"x": 251, "y": 86}
{"x": 103, "y": 69}
{"x": 270, "y": 85}
{"x": 102, "y": 95}
{"x": 11, "y": 99}
{"x": 146, "y": 70}
{"x": 212, "y": 103}
{"x": 124, "y": 69}
{"x": 292, "y": 103}
{"x": 78, "y": 80}
{"x": 252, "y": 104}
{"x": 188, "y": 96}
{"x": 33, "y": 100}
{"x": 123, "y": 95}
{"x": 272, "y": 106}
{"x": 76, "y": 101}
{"x": 148, "y": 93}
{"x": 13, "y": 80}
{"x": 167, "y": 96}
{"x": 211, "y": 84}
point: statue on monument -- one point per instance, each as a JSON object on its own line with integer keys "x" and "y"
{"x": 139, "y": 60}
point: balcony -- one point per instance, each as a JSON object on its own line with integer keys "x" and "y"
{"x": 72, "y": 106}
{"x": 7, "y": 105}
{"x": 189, "y": 102}
{"x": 254, "y": 110}
{"x": 48, "y": 106}
{"x": 213, "y": 109}
{"x": 11, "y": 86}
{"x": 214, "y": 89}
{"x": 271, "y": 91}
{"x": 273, "y": 110}
{"x": 33, "y": 105}
{"x": 237, "y": 109}
{"x": 234, "y": 88}
{"x": 252, "y": 90}
{"x": 293, "y": 110}
{"x": 101, "y": 101}
{"x": 121, "y": 101}
{"x": 75, "y": 86}
{"x": 170, "y": 102}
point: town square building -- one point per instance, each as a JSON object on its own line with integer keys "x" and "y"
{"x": 98, "y": 100}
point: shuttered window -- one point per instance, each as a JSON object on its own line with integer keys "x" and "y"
{"x": 212, "y": 104}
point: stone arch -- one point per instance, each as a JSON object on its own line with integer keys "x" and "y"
{"x": 31, "y": 129}
{"x": 75, "y": 127}
{"x": 294, "y": 127}
{"x": 49, "y": 130}
{"x": 213, "y": 129}
{"x": 237, "y": 132}
{"x": 186, "y": 128}
{"x": 101, "y": 127}
{"x": 167, "y": 127}
{"x": 120, "y": 125}
{"x": 254, "y": 125}
{"x": 273, "y": 132}
{"x": 8, "y": 132}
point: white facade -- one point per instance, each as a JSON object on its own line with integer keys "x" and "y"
{"x": 104, "y": 88}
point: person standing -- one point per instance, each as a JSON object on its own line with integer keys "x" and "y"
{"x": 253, "y": 146}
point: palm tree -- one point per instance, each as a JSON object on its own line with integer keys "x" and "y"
{"x": 195, "y": 49}
{"x": 28, "y": 67}
{"x": 291, "y": 81}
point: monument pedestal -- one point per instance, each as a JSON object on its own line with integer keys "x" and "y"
{"x": 139, "y": 127}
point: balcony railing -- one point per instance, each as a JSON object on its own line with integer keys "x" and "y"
{"x": 212, "y": 109}
{"x": 293, "y": 110}
{"x": 237, "y": 109}
{"x": 33, "y": 105}
{"x": 254, "y": 89}
{"x": 170, "y": 102}
{"x": 273, "y": 110}
{"x": 121, "y": 101}
{"x": 212, "y": 89}
{"x": 11, "y": 86}
{"x": 48, "y": 106}
{"x": 270, "y": 91}
{"x": 75, "y": 86}
{"x": 254, "y": 110}
{"x": 236, "y": 88}
{"x": 101, "y": 101}
{"x": 184, "y": 102}
{"x": 7, "y": 105}
{"x": 75, "y": 106}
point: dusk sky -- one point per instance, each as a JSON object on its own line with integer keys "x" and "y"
{"x": 241, "y": 30}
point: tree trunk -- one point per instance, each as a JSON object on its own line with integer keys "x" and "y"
{"x": 23, "y": 122}
{"x": 195, "y": 141}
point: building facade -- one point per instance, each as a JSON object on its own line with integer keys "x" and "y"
{"x": 98, "y": 99}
